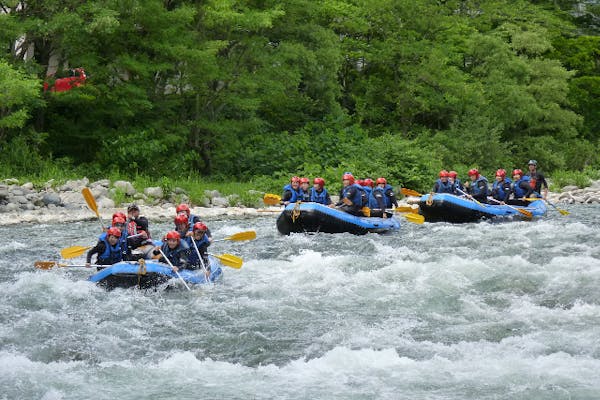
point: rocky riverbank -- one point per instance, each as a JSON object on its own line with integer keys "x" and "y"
{"x": 64, "y": 203}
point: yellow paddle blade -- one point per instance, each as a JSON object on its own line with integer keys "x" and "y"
{"x": 414, "y": 218}
{"x": 229, "y": 260}
{"x": 74, "y": 251}
{"x": 526, "y": 213}
{"x": 247, "y": 235}
{"x": 410, "y": 192}
{"x": 271, "y": 199}
{"x": 89, "y": 199}
{"x": 404, "y": 209}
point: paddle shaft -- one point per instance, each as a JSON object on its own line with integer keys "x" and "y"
{"x": 201, "y": 260}
{"x": 174, "y": 270}
{"x": 526, "y": 213}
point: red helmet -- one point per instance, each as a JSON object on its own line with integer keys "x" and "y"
{"x": 118, "y": 220}
{"x": 452, "y": 174}
{"x": 319, "y": 181}
{"x": 349, "y": 177}
{"x": 517, "y": 172}
{"x": 501, "y": 172}
{"x": 304, "y": 180}
{"x": 173, "y": 235}
{"x": 444, "y": 174}
{"x": 113, "y": 231}
{"x": 381, "y": 180}
{"x": 473, "y": 171}
{"x": 200, "y": 226}
{"x": 119, "y": 214}
{"x": 368, "y": 182}
{"x": 181, "y": 219}
{"x": 360, "y": 182}
{"x": 295, "y": 179}
{"x": 183, "y": 207}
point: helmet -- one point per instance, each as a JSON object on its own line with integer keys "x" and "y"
{"x": 360, "y": 182}
{"x": 517, "y": 172}
{"x": 348, "y": 176}
{"x": 118, "y": 220}
{"x": 319, "y": 181}
{"x": 119, "y": 214}
{"x": 173, "y": 235}
{"x": 444, "y": 174}
{"x": 183, "y": 207}
{"x": 181, "y": 219}
{"x": 381, "y": 180}
{"x": 133, "y": 207}
{"x": 473, "y": 171}
{"x": 294, "y": 179}
{"x": 532, "y": 162}
{"x": 368, "y": 182}
{"x": 452, "y": 174}
{"x": 501, "y": 172}
{"x": 116, "y": 232}
{"x": 200, "y": 226}
{"x": 304, "y": 180}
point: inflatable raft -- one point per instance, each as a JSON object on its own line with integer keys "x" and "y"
{"x": 315, "y": 217}
{"x": 151, "y": 273}
{"x": 444, "y": 207}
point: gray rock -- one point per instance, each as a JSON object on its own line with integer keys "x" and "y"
{"x": 49, "y": 184}
{"x": 28, "y": 206}
{"x": 102, "y": 182}
{"x": 593, "y": 199}
{"x": 74, "y": 185}
{"x": 178, "y": 190}
{"x": 99, "y": 191}
{"x": 211, "y": 194}
{"x": 105, "y": 202}
{"x": 52, "y": 199}
{"x": 595, "y": 184}
{"x": 125, "y": 187}
{"x": 220, "y": 202}
{"x": 140, "y": 196}
{"x": 17, "y": 192}
{"x": 155, "y": 192}
{"x": 20, "y": 199}
{"x": 234, "y": 200}
{"x": 11, "y": 181}
{"x": 568, "y": 188}
{"x": 12, "y": 207}
{"x": 27, "y": 186}
{"x": 3, "y": 192}
{"x": 72, "y": 199}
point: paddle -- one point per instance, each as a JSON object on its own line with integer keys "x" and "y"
{"x": 91, "y": 202}
{"x": 206, "y": 273}
{"x": 173, "y": 268}
{"x": 414, "y": 218}
{"x": 271, "y": 199}
{"x": 410, "y": 192}
{"x": 240, "y": 236}
{"x": 526, "y": 213}
{"x": 73, "y": 251}
{"x": 229, "y": 260}
{"x": 404, "y": 209}
{"x": 560, "y": 210}
{"x": 471, "y": 197}
{"x": 52, "y": 264}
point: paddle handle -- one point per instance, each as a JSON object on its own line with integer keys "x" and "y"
{"x": 173, "y": 268}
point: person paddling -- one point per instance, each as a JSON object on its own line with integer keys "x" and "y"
{"x": 175, "y": 249}
{"x": 318, "y": 193}
{"x": 478, "y": 187}
{"x": 501, "y": 187}
{"x": 455, "y": 183}
{"x": 537, "y": 181}
{"x": 443, "y": 185}
{"x": 350, "y": 196}
{"x": 108, "y": 249}
{"x": 291, "y": 191}
{"x": 201, "y": 241}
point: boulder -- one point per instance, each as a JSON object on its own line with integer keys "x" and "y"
{"x": 27, "y": 186}
{"x": 178, "y": 190}
{"x": 212, "y": 193}
{"x": 155, "y": 192}
{"x": 569, "y": 188}
{"x": 103, "y": 183}
{"x": 220, "y": 202}
{"x": 52, "y": 198}
{"x": 125, "y": 187}
{"x": 74, "y": 185}
{"x": 105, "y": 202}
{"x": 3, "y": 192}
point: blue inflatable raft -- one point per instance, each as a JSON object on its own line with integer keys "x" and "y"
{"x": 444, "y": 207}
{"x": 315, "y": 217}
{"x": 151, "y": 273}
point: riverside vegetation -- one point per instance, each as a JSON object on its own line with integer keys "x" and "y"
{"x": 196, "y": 94}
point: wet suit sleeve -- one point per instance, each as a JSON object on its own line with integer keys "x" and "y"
{"x": 390, "y": 193}
{"x": 98, "y": 249}
{"x": 380, "y": 200}
{"x": 286, "y": 196}
{"x": 506, "y": 187}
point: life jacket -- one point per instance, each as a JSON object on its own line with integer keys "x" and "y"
{"x": 388, "y": 192}
{"x": 498, "y": 189}
{"x": 174, "y": 255}
{"x": 112, "y": 254}
{"x": 476, "y": 190}
{"x": 517, "y": 189}
{"x": 202, "y": 245}
{"x": 318, "y": 197}
{"x": 131, "y": 227}
{"x": 295, "y": 193}
{"x": 373, "y": 203}
{"x": 358, "y": 195}
{"x": 457, "y": 186}
{"x": 192, "y": 219}
{"x": 444, "y": 187}
{"x": 304, "y": 196}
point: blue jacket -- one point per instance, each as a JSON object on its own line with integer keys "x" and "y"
{"x": 321, "y": 197}
{"x": 501, "y": 190}
{"x": 112, "y": 254}
{"x": 521, "y": 188}
{"x": 443, "y": 187}
{"x": 202, "y": 245}
{"x": 294, "y": 194}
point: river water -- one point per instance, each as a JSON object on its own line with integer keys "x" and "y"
{"x": 436, "y": 311}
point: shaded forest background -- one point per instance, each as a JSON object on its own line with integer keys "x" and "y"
{"x": 263, "y": 89}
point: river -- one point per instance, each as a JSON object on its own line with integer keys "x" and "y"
{"x": 436, "y": 311}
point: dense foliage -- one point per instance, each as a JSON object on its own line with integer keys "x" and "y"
{"x": 239, "y": 89}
